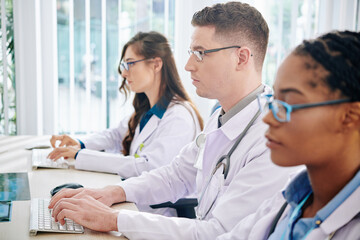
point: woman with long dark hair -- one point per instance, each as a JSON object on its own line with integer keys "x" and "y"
{"x": 164, "y": 120}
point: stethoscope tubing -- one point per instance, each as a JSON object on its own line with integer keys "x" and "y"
{"x": 227, "y": 165}
{"x": 236, "y": 144}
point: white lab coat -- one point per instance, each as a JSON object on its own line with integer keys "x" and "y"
{"x": 344, "y": 221}
{"x": 252, "y": 178}
{"x": 161, "y": 138}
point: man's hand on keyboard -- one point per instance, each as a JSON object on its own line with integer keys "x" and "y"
{"x": 87, "y": 212}
{"x": 107, "y": 195}
{"x": 66, "y": 152}
{"x": 65, "y": 140}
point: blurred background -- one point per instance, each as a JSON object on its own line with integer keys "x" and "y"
{"x": 59, "y": 58}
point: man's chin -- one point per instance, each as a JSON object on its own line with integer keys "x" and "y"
{"x": 204, "y": 94}
{"x": 201, "y": 93}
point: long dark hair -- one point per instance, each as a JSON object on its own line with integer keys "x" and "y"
{"x": 150, "y": 45}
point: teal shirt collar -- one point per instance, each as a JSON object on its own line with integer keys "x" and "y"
{"x": 295, "y": 193}
{"x": 158, "y": 110}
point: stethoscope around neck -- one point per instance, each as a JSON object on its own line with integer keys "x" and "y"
{"x": 200, "y": 141}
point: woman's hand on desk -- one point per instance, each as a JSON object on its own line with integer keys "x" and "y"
{"x": 65, "y": 140}
{"x": 66, "y": 152}
{"x": 107, "y": 195}
{"x": 87, "y": 212}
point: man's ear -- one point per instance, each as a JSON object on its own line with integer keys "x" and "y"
{"x": 243, "y": 57}
{"x": 158, "y": 63}
{"x": 352, "y": 115}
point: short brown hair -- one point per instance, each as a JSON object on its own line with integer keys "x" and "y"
{"x": 237, "y": 23}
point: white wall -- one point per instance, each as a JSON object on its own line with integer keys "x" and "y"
{"x": 28, "y": 80}
{"x": 49, "y": 67}
{"x": 36, "y": 66}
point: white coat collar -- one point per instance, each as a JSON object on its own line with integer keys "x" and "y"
{"x": 343, "y": 214}
{"x": 146, "y": 132}
{"x": 235, "y": 125}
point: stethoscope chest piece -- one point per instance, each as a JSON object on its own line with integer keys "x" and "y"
{"x": 200, "y": 140}
{"x": 200, "y": 143}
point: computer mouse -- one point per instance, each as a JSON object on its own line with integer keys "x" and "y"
{"x": 66, "y": 185}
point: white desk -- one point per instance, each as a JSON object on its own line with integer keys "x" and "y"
{"x": 14, "y": 158}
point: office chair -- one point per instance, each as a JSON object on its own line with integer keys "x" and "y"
{"x": 184, "y": 207}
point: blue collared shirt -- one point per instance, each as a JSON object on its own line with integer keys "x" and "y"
{"x": 158, "y": 110}
{"x": 293, "y": 227}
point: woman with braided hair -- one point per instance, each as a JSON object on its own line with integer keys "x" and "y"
{"x": 314, "y": 120}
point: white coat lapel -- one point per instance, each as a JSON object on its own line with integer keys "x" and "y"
{"x": 149, "y": 128}
{"x": 343, "y": 214}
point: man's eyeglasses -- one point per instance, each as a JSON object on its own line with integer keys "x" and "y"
{"x": 200, "y": 54}
{"x": 281, "y": 110}
{"x": 126, "y": 65}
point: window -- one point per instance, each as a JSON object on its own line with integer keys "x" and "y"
{"x": 90, "y": 39}
{"x": 7, "y": 71}
{"x": 66, "y": 72}
{"x": 289, "y": 21}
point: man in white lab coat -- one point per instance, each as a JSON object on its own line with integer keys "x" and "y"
{"x": 226, "y": 57}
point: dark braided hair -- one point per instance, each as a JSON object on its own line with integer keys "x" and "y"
{"x": 339, "y": 53}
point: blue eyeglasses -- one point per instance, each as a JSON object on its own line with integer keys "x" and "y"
{"x": 282, "y": 111}
{"x": 126, "y": 65}
{"x": 200, "y": 54}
